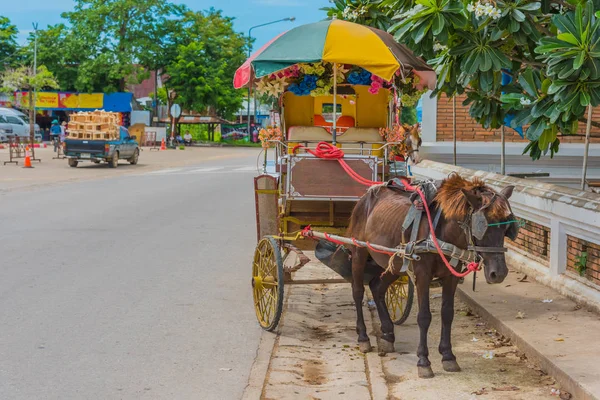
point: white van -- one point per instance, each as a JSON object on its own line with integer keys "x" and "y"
{"x": 5, "y": 130}
{"x": 19, "y": 123}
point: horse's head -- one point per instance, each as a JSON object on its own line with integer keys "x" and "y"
{"x": 486, "y": 218}
{"x": 413, "y": 142}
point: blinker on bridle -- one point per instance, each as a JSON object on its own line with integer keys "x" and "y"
{"x": 480, "y": 225}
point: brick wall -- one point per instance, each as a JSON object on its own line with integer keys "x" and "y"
{"x": 468, "y": 130}
{"x": 575, "y": 248}
{"x": 534, "y": 239}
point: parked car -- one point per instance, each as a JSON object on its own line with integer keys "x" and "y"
{"x": 5, "y": 130}
{"x": 19, "y": 123}
{"x": 111, "y": 151}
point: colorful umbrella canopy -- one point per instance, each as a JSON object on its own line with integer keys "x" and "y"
{"x": 335, "y": 41}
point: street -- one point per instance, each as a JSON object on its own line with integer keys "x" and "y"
{"x": 129, "y": 287}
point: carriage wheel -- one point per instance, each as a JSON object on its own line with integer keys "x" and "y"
{"x": 267, "y": 283}
{"x": 399, "y": 299}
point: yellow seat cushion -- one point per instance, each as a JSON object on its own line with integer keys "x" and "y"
{"x": 308, "y": 134}
{"x": 370, "y": 136}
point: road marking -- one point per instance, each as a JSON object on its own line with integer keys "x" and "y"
{"x": 246, "y": 169}
{"x": 165, "y": 171}
{"x": 200, "y": 170}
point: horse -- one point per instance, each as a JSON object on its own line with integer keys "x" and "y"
{"x": 412, "y": 141}
{"x": 378, "y": 218}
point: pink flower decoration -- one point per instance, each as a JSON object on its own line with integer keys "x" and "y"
{"x": 376, "y": 85}
{"x": 377, "y": 79}
{"x": 373, "y": 90}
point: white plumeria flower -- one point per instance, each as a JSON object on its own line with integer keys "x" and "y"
{"x": 470, "y": 7}
{"x": 495, "y": 14}
{"x": 439, "y": 47}
{"x": 525, "y": 102}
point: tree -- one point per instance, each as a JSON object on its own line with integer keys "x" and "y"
{"x": 24, "y": 78}
{"x": 520, "y": 62}
{"x": 200, "y": 75}
{"x": 8, "y": 42}
{"x": 111, "y": 37}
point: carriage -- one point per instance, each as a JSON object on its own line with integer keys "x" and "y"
{"x": 337, "y": 85}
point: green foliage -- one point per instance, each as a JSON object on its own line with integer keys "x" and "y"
{"x": 408, "y": 116}
{"x": 24, "y": 78}
{"x": 8, "y": 43}
{"x": 201, "y": 71}
{"x": 550, "y": 47}
{"x": 581, "y": 263}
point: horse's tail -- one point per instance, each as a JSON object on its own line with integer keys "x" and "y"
{"x": 362, "y": 210}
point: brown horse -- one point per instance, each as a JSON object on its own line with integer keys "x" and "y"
{"x": 378, "y": 218}
{"x": 412, "y": 141}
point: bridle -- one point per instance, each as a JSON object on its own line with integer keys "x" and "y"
{"x": 476, "y": 225}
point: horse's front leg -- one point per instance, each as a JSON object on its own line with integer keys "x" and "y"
{"x": 359, "y": 259}
{"x": 449, "y": 363}
{"x": 423, "y": 320}
{"x": 379, "y": 286}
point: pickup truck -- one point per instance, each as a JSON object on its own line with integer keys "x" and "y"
{"x": 111, "y": 151}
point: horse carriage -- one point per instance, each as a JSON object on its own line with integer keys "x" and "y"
{"x": 338, "y": 141}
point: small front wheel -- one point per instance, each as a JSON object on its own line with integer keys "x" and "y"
{"x": 267, "y": 283}
{"x": 399, "y": 299}
{"x": 73, "y": 163}
{"x": 114, "y": 161}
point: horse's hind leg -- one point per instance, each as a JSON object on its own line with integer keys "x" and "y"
{"x": 448, "y": 358}
{"x": 379, "y": 286}
{"x": 359, "y": 259}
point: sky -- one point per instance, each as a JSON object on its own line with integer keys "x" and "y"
{"x": 247, "y": 13}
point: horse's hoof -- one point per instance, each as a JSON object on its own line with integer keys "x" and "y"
{"x": 451, "y": 366}
{"x": 425, "y": 372}
{"x": 386, "y": 347}
{"x": 364, "y": 347}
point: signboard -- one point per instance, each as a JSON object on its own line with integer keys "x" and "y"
{"x": 175, "y": 110}
{"x": 118, "y": 102}
{"x": 235, "y": 133}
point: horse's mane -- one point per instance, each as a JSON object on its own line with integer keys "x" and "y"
{"x": 455, "y": 206}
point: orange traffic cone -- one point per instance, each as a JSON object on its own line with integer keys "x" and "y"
{"x": 163, "y": 145}
{"x": 27, "y": 158}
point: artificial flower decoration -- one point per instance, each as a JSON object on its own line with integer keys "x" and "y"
{"x": 266, "y": 136}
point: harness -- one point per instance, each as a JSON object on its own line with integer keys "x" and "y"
{"x": 474, "y": 226}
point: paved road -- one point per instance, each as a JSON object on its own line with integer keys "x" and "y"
{"x": 131, "y": 287}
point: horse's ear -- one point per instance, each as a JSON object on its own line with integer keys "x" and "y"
{"x": 507, "y": 192}
{"x": 473, "y": 199}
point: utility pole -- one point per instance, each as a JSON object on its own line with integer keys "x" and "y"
{"x": 35, "y": 28}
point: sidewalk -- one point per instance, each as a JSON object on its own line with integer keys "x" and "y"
{"x": 314, "y": 354}
{"x": 559, "y": 335}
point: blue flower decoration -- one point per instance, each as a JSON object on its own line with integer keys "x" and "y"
{"x": 361, "y": 77}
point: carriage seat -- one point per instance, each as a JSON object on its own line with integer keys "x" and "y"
{"x": 343, "y": 123}
{"x": 308, "y": 134}
{"x": 370, "y": 136}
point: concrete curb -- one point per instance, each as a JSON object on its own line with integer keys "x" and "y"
{"x": 567, "y": 382}
{"x": 260, "y": 367}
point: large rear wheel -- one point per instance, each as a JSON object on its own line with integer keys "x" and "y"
{"x": 267, "y": 283}
{"x": 399, "y": 299}
{"x": 114, "y": 161}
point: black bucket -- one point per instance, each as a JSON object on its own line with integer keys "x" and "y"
{"x": 339, "y": 259}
